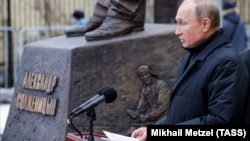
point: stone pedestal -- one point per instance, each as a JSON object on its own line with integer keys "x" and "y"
{"x": 58, "y": 74}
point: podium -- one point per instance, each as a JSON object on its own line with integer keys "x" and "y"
{"x": 77, "y": 137}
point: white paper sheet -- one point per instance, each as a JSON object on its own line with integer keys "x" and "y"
{"x": 117, "y": 137}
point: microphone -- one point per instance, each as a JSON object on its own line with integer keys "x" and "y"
{"x": 99, "y": 93}
{"x": 106, "y": 94}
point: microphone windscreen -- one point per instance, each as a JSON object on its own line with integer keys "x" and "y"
{"x": 110, "y": 95}
{"x": 101, "y": 90}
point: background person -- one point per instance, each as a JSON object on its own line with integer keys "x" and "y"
{"x": 234, "y": 27}
{"x": 211, "y": 82}
{"x": 78, "y": 18}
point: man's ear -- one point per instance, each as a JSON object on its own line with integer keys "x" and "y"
{"x": 206, "y": 23}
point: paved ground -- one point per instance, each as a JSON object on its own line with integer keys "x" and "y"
{"x": 4, "y": 110}
{"x": 5, "y": 99}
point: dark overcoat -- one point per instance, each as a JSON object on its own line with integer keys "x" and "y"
{"x": 245, "y": 55}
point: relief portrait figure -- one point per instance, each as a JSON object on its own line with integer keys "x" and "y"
{"x": 154, "y": 97}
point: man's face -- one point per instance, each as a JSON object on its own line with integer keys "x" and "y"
{"x": 145, "y": 77}
{"x": 189, "y": 29}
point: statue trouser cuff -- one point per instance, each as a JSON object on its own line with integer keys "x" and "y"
{"x": 120, "y": 20}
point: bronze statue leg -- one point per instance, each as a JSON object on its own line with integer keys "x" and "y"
{"x": 123, "y": 17}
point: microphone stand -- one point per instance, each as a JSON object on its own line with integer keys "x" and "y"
{"x": 91, "y": 117}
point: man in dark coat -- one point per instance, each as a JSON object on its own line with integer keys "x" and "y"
{"x": 212, "y": 82}
{"x": 234, "y": 27}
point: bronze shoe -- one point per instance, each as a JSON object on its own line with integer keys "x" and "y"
{"x": 94, "y": 22}
{"x": 113, "y": 27}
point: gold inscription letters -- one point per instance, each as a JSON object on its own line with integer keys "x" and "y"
{"x": 31, "y": 103}
{"x": 38, "y": 81}
{"x": 38, "y": 104}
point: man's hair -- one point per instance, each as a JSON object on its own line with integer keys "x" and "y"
{"x": 207, "y": 9}
{"x": 145, "y": 68}
{"x": 78, "y": 14}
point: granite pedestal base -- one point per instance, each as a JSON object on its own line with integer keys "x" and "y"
{"x": 58, "y": 74}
